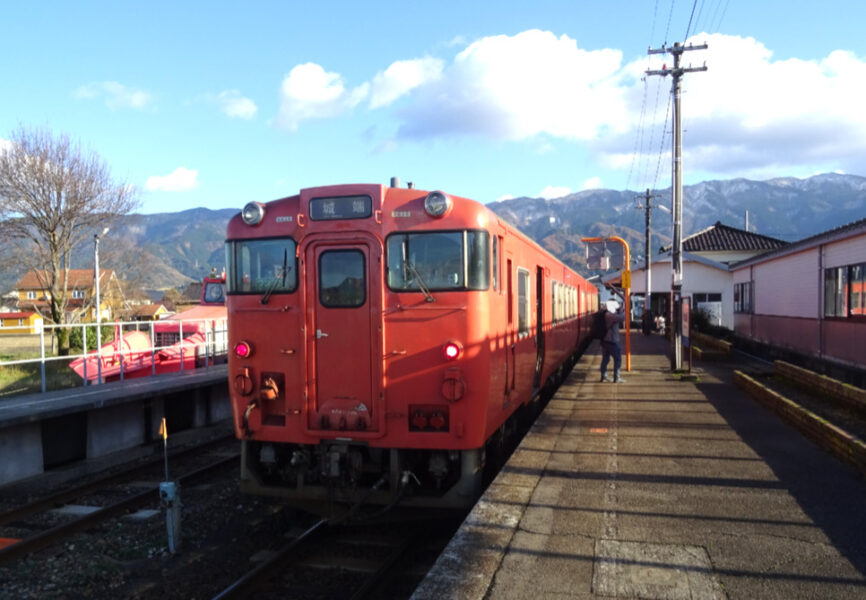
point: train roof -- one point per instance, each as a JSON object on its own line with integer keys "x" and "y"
{"x": 393, "y": 201}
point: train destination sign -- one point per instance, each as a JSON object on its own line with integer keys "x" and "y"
{"x": 341, "y": 207}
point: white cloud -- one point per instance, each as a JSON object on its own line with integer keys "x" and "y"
{"x": 402, "y": 77}
{"x": 233, "y": 104}
{"x": 751, "y": 115}
{"x": 551, "y": 192}
{"x": 516, "y": 87}
{"x": 116, "y": 95}
{"x": 505, "y": 197}
{"x": 181, "y": 179}
{"x": 309, "y": 92}
{"x": 593, "y": 183}
{"x": 5, "y": 145}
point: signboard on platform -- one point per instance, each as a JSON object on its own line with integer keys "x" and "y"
{"x": 686, "y": 313}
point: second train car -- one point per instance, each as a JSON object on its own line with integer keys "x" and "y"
{"x": 382, "y": 338}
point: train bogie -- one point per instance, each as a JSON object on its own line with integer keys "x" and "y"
{"x": 382, "y": 337}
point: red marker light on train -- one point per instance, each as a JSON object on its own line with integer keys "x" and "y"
{"x": 452, "y": 350}
{"x": 243, "y": 350}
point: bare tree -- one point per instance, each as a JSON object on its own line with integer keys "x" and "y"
{"x": 54, "y": 195}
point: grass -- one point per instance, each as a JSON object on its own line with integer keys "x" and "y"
{"x": 27, "y": 378}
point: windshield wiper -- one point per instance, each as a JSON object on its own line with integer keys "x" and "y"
{"x": 421, "y": 284}
{"x": 277, "y": 279}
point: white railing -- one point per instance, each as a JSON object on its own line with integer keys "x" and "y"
{"x": 213, "y": 347}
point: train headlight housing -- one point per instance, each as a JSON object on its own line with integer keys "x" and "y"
{"x": 253, "y": 213}
{"x": 437, "y": 204}
{"x": 243, "y": 350}
{"x": 452, "y": 350}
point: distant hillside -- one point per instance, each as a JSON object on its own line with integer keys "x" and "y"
{"x": 156, "y": 251}
{"x": 171, "y": 249}
{"x": 788, "y": 209}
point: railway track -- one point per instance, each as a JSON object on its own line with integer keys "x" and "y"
{"x": 346, "y": 562}
{"x": 108, "y": 497}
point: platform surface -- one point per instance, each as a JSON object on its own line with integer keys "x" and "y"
{"x": 30, "y": 408}
{"x": 658, "y": 488}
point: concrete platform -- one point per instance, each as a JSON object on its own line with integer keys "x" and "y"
{"x": 660, "y": 489}
{"x": 41, "y": 431}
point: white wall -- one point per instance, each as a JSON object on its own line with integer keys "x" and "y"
{"x": 788, "y": 286}
{"x": 698, "y": 278}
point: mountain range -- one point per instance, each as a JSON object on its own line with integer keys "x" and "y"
{"x": 165, "y": 250}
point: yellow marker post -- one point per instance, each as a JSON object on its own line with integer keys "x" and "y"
{"x": 163, "y": 431}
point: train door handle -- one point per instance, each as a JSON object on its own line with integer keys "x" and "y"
{"x": 320, "y": 334}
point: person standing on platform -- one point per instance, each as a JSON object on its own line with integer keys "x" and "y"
{"x": 610, "y": 345}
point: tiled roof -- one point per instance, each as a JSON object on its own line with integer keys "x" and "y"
{"x": 78, "y": 279}
{"x": 148, "y": 310}
{"x": 16, "y": 315}
{"x": 722, "y": 238}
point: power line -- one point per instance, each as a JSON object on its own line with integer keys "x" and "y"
{"x": 688, "y": 28}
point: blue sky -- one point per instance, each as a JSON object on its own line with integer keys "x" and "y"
{"x": 218, "y": 103}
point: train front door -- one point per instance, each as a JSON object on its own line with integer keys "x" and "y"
{"x": 341, "y": 335}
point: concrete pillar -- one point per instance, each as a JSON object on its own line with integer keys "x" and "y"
{"x": 24, "y": 442}
{"x": 116, "y": 428}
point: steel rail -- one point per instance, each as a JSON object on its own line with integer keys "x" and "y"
{"x": 49, "y": 536}
{"x": 242, "y": 586}
{"x": 77, "y": 491}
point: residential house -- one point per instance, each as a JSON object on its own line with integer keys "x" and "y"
{"x": 20, "y": 323}
{"x": 150, "y": 312}
{"x": 34, "y": 293}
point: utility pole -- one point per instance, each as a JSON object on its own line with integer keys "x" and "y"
{"x": 677, "y": 190}
{"x": 647, "y": 197}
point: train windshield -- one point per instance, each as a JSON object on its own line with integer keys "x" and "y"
{"x": 441, "y": 260}
{"x": 261, "y": 266}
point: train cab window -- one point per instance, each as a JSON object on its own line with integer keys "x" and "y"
{"x": 441, "y": 260}
{"x": 342, "y": 279}
{"x": 261, "y": 266}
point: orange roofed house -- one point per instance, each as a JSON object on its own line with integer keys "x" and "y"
{"x": 34, "y": 293}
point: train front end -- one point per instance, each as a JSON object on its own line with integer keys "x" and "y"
{"x": 359, "y": 353}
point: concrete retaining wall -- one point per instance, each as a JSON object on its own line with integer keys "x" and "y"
{"x": 843, "y": 394}
{"x": 828, "y": 436}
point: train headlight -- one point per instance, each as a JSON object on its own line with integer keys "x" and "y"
{"x": 437, "y": 204}
{"x": 253, "y": 213}
{"x": 243, "y": 350}
{"x": 452, "y": 350}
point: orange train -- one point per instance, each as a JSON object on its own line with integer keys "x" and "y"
{"x": 382, "y": 339}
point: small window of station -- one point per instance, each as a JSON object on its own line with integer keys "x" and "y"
{"x": 845, "y": 291}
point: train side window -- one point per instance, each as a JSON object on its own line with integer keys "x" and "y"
{"x": 477, "y": 260}
{"x": 495, "y": 265}
{"x": 510, "y": 299}
{"x": 342, "y": 279}
{"x": 522, "y": 302}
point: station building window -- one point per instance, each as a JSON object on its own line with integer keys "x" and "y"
{"x": 743, "y": 294}
{"x": 845, "y": 291}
